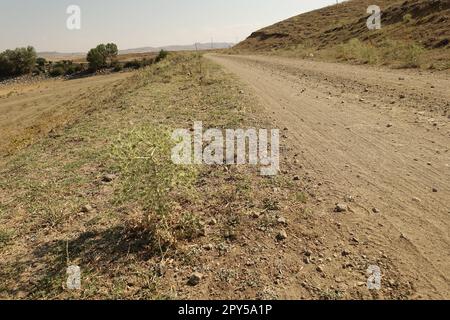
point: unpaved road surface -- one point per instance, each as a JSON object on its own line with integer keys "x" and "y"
{"x": 376, "y": 139}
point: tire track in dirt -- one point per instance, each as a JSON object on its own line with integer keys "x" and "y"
{"x": 387, "y": 155}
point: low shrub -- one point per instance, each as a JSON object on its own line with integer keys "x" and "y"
{"x": 150, "y": 179}
{"x": 406, "y": 55}
{"x": 407, "y": 18}
{"x": 57, "y": 71}
{"x": 161, "y": 56}
{"x": 395, "y": 53}
{"x": 357, "y": 51}
{"x": 135, "y": 64}
{"x": 117, "y": 66}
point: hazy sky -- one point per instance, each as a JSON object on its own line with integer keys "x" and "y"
{"x": 138, "y": 23}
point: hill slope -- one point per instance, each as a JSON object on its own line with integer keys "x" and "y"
{"x": 423, "y": 22}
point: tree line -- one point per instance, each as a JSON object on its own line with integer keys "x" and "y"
{"x": 21, "y": 61}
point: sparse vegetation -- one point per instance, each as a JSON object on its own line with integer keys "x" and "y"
{"x": 407, "y": 18}
{"x": 5, "y": 237}
{"x": 394, "y": 53}
{"x": 150, "y": 206}
{"x": 301, "y": 197}
{"x": 357, "y": 51}
{"x": 149, "y": 177}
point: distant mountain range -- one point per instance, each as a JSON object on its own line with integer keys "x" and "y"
{"x": 198, "y": 46}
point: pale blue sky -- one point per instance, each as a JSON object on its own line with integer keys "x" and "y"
{"x": 138, "y": 23}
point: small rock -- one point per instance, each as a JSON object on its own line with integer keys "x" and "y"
{"x": 355, "y": 240}
{"x": 389, "y": 125}
{"x": 392, "y": 283}
{"x": 241, "y": 92}
{"x": 256, "y": 215}
{"x": 195, "y": 279}
{"x": 319, "y": 269}
{"x": 376, "y": 210}
{"x": 212, "y": 222}
{"x": 161, "y": 269}
{"x": 346, "y": 253}
{"x": 401, "y": 79}
{"x": 341, "y": 207}
{"x": 402, "y": 96}
{"x": 282, "y": 220}
{"x": 230, "y": 235}
{"x": 208, "y": 247}
{"x": 415, "y": 199}
{"x": 435, "y": 190}
{"x": 282, "y": 235}
{"x": 296, "y": 178}
{"x": 86, "y": 208}
{"x": 108, "y": 178}
{"x": 360, "y": 284}
{"x": 250, "y": 263}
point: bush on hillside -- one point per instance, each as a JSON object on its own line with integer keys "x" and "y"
{"x": 135, "y": 64}
{"x": 357, "y": 51}
{"x": 161, "y": 56}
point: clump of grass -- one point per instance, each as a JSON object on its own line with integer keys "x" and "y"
{"x": 190, "y": 227}
{"x": 151, "y": 180}
{"x": 5, "y": 237}
{"x": 389, "y": 52}
{"x": 406, "y": 55}
{"x": 407, "y": 18}
{"x": 271, "y": 204}
{"x": 301, "y": 197}
{"x": 357, "y": 51}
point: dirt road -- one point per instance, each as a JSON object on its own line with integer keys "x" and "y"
{"x": 375, "y": 139}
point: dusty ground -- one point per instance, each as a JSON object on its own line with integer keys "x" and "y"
{"x": 30, "y": 110}
{"x": 376, "y": 139}
{"x": 57, "y": 209}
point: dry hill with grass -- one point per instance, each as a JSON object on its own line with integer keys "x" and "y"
{"x": 413, "y": 27}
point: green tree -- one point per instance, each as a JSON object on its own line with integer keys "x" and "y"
{"x": 111, "y": 50}
{"x": 96, "y": 59}
{"x": 41, "y": 62}
{"x": 17, "y": 62}
{"x": 102, "y": 55}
